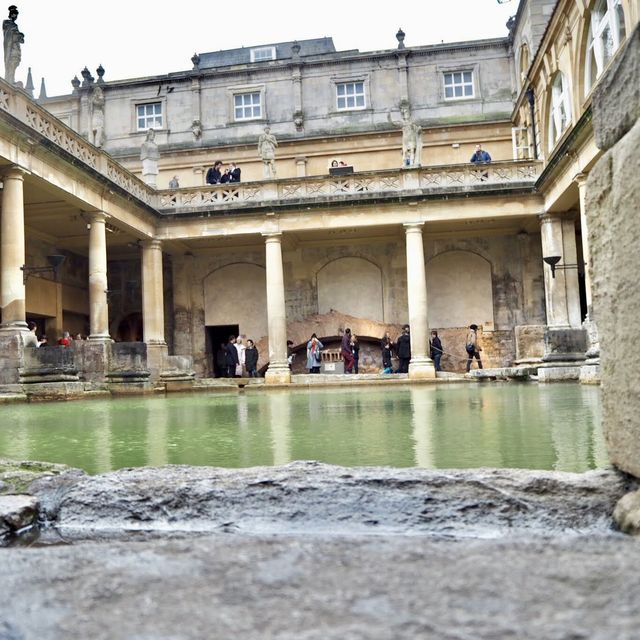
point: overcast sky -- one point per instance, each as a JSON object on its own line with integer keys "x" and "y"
{"x": 145, "y": 37}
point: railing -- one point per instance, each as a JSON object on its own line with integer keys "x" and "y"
{"x": 19, "y": 105}
{"x": 421, "y": 180}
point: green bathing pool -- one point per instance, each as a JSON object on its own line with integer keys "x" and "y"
{"x": 555, "y": 427}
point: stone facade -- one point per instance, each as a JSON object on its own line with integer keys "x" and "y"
{"x": 613, "y": 193}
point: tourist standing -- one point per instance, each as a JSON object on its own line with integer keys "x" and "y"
{"x": 472, "y": 347}
{"x": 435, "y": 347}
{"x": 241, "y": 349}
{"x": 234, "y": 172}
{"x": 314, "y": 348}
{"x": 232, "y": 357}
{"x": 387, "y": 352}
{"x": 251, "y": 359}
{"x": 214, "y": 174}
{"x": 480, "y": 155}
{"x": 355, "y": 350}
{"x": 345, "y": 351}
{"x": 403, "y": 350}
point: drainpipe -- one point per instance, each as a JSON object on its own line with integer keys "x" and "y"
{"x": 532, "y": 106}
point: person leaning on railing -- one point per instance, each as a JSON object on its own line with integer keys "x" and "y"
{"x": 481, "y": 156}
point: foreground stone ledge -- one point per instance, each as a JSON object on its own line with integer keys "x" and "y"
{"x": 309, "y": 497}
{"x": 627, "y": 513}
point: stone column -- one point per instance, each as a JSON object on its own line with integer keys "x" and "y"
{"x": 12, "y": 252}
{"x": 581, "y": 180}
{"x": 153, "y": 306}
{"x": 278, "y": 371}
{"x": 590, "y": 372}
{"x": 421, "y": 366}
{"x": 98, "y": 307}
{"x": 551, "y": 231}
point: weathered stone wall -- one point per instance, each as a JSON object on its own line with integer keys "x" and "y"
{"x": 613, "y": 194}
{"x": 367, "y": 281}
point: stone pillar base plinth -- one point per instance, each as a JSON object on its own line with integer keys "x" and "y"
{"x": 421, "y": 369}
{"x": 277, "y": 375}
{"x": 156, "y": 358}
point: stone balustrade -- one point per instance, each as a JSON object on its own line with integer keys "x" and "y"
{"x": 18, "y": 104}
{"x": 443, "y": 179}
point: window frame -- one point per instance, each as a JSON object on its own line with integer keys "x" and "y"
{"x": 452, "y": 72}
{"x": 245, "y": 89}
{"x": 560, "y": 108}
{"x": 146, "y": 103}
{"x": 244, "y": 106}
{"x": 355, "y": 95}
{"x": 256, "y": 50}
{"x": 610, "y": 19}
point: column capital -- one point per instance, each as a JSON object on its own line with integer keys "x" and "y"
{"x": 155, "y": 244}
{"x": 581, "y": 179}
{"x": 14, "y": 172}
{"x": 97, "y": 216}
{"x": 413, "y": 227}
{"x": 273, "y": 237}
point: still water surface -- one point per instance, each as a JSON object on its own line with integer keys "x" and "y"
{"x": 455, "y": 426}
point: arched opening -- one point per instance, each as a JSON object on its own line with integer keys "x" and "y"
{"x": 459, "y": 290}
{"x": 352, "y": 286}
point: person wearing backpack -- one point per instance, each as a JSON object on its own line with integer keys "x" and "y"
{"x": 472, "y": 347}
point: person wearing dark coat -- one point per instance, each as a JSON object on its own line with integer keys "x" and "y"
{"x": 347, "y": 354}
{"x": 234, "y": 173}
{"x": 251, "y": 359}
{"x": 232, "y": 357}
{"x": 214, "y": 174}
{"x": 387, "y": 347}
{"x": 436, "y": 350}
{"x": 403, "y": 350}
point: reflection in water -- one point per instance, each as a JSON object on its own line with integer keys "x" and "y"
{"x": 456, "y": 426}
{"x": 157, "y": 428}
{"x": 100, "y": 416}
{"x": 422, "y": 417}
{"x": 280, "y": 421}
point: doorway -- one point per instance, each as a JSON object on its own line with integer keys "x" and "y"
{"x": 215, "y": 336}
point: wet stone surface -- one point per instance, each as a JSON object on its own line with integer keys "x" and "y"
{"x": 314, "y": 551}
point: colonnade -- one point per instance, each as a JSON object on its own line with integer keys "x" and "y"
{"x": 13, "y": 289}
{"x": 557, "y": 235}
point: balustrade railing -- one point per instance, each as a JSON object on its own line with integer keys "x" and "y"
{"x": 443, "y": 178}
{"x": 19, "y": 105}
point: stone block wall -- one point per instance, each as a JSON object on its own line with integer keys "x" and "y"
{"x": 613, "y": 215}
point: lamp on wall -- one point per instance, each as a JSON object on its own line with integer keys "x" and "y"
{"x": 552, "y": 261}
{"x": 55, "y": 261}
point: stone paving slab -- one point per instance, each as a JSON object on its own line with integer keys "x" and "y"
{"x": 323, "y": 588}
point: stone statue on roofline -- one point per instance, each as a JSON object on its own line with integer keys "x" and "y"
{"x": 411, "y": 138}
{"x": 149, "y": 154}
{"x": 97, "y": 117}
{"x": 267, "y": 144}
{"x": 13, "y": 38}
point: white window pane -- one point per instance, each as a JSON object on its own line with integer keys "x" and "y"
{"x": 448, "y": 92}
{"x": 468, "y": 90}
{"x": 467, "y": 76}
{"x": 360, "y": 101}
{"x": 448, "y": 79}
{"x": 458, "y": 92}
{"x": 341, "y": 89}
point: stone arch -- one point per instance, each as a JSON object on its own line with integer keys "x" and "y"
{"x": 351, "y": 285}
{"x": 459, "y": 290}
{"x": 237, "y": 294}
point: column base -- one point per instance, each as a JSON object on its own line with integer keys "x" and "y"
{"x": 100, "y": 337}
{"x": 277, "y": 375}
{"x": 421, "y": 369}
{"x": 157, "y": 353}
